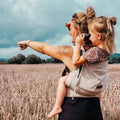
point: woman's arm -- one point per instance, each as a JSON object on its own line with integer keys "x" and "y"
{"x": 63, "y": 53}
{"x": 77, "y": 58}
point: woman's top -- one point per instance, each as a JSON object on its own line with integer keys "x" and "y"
{"x": 94, "y": 71}
{"x": 66, "y": 71}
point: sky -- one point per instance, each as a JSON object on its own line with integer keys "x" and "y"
{"x": 44, "y": 21}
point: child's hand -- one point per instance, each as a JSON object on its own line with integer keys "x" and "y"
{"x": 80, "y": 39}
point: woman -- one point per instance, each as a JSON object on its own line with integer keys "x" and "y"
{"x": 61, "y": 92}
{"x": 64, "y": 53}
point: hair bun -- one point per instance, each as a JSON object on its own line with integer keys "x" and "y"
{"x": 90, "y": 12}
{"x": 81, "y": 17}
{"x": 113, "y": 20}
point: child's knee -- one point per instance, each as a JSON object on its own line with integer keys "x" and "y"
{"x": 62, "y": 80}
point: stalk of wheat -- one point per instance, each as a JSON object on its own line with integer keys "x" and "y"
{"x": 27, "y": 92}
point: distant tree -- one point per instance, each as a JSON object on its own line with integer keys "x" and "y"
{"x": 110, "y": 62}
{"x": 20, "y": 58}
{"x": 12, "y": 60}
{"x": 53, "y": 60}
{"x": 57, "y": 61}
{"x": 116, "y": 60}
{"x": 43, "y": 61}
{"x": 16, "y": 59}
{"x": 32, "y": 59}
{"x": 119, "y": 59}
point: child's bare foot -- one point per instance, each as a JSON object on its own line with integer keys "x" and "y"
{"x": 54, "y": 111}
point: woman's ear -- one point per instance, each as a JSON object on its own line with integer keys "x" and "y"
{"x": 99, "y": 36}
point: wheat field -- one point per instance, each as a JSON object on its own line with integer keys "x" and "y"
{"x": 27, "y": 92}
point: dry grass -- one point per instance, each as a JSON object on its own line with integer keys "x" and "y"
{"x": 27, "y": 92}
{"x": 110, "y": 100}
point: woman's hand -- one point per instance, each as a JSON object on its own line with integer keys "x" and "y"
{"x": 23, "y": 44}
{"x": 80, "y": 39}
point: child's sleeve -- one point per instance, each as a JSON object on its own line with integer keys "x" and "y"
{"x": 92, "y": 55}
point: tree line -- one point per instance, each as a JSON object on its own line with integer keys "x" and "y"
{"x": 114, "y": 58}
{"x": 30, "y": 59}
{"x": 33, "y": 59}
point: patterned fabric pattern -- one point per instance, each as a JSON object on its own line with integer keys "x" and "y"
{"x": 96, "y": 55}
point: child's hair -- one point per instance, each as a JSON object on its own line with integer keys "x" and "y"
{"x": 104, "y": 26}
{"x": 81, "y": 19}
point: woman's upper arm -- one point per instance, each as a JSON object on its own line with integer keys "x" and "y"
{"x": 63, "y": 53}
{"x": 59, "y": 52}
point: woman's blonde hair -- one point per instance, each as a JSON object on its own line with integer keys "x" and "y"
{"x": 104, "y": 26}
{"x": 81, "y": 19}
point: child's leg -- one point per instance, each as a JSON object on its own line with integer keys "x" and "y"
{"x": 61, "y": 92}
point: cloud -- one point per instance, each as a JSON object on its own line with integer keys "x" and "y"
{"x": 60, "y": 39}
{"x": 32, "y": 19}
{"x": 85, "y": 3}
{"x": 13, "y": 51}
{"x": 7, "y": 52}
{"x": 44, "y": 21}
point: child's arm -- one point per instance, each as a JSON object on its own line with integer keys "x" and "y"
{"x": 77, "y": 58}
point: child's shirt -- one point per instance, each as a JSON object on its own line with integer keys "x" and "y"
{"x": 96, "y": 55}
